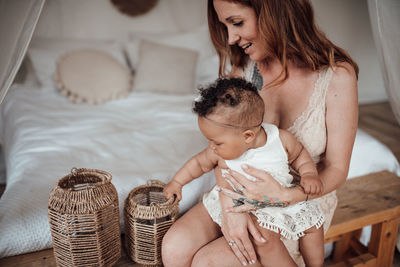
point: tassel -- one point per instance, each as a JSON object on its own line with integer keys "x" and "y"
{"x": 287, "y": 234}
{"x": 320, "y": 222}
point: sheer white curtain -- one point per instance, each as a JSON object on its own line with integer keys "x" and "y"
{"x": 385, "y": 22}
{"x": 18, "y": 19}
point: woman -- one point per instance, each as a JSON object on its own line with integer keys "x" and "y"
{"x": 309, "y": 87}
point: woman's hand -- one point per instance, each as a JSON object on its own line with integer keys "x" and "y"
{"x": 249, "y": 195}
{"x": 236, "y": 228}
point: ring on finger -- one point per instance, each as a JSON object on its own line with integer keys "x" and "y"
{"x": 231, "y": 243}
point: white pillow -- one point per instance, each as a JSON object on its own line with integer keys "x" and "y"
{"x": 92, "y": 76}
{"x": 198, "y": 40}
{"x": 44, "y": 53}
{"x": 165, "y": 69}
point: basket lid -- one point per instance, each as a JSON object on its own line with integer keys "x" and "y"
{"x": 83, "y": 191}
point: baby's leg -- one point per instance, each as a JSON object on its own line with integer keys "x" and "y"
{"x": 273, "y": 252}
{"x": 187, "y": 235}
{"x": 312, "y": 247}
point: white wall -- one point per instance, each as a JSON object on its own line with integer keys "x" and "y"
{"x": 346, "y": 22}
{"x": 99, "y": 19}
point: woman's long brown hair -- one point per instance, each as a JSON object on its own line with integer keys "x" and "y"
{"x": 289, "y": 32}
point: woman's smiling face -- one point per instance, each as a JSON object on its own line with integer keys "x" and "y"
{"x": 242, "y": 26}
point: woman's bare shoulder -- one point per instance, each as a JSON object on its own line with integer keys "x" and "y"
{"x": 344, "y": 75}
{"x": 343, "y": 84}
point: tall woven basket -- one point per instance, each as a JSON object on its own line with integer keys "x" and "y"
{"x": 148, "y": 216}
{"x": 84, "y": 219}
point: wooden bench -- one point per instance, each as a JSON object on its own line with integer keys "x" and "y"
{"x": 368, "y": 200}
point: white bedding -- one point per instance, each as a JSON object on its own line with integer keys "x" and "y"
{"x": 144, "y": 136}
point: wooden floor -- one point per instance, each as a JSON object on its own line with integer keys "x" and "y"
{"x": 45, "y": 258}
{"x": 376, "y": 119}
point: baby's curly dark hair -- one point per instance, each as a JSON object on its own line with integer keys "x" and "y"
{"x": 234, "y": 98}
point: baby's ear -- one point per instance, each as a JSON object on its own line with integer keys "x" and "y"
{"x": 249, "y": 136}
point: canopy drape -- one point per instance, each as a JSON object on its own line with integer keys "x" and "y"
{"x": 385, "y": 23}
{"x": 18, "y": 20}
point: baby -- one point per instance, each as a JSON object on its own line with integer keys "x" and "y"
{"x": 230, "y": 115}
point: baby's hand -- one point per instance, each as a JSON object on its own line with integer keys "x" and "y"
{"x": 311, "y": 184}
{"x": 171, "y": 189}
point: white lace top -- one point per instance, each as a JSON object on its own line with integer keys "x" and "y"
{"x": 291, "y": 221}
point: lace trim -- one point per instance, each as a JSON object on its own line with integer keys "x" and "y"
{"x": 286, "y": 234}
{"x": 317, "y": 98}
{"x": 291, "y": 226}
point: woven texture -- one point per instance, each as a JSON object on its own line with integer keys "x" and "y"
{"x": 84, "y": 219}
{"x": 148, "y": 216}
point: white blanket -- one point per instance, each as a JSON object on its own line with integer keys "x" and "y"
{"x": 144, "y": 136}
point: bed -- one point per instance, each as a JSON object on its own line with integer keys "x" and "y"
{"x": 147, "y": 134}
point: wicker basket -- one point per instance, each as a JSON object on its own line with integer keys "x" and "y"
{"x": 148, "y": 216}
{"x": 84, "y": 219}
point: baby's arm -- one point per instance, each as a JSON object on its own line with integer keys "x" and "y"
{"x": 302, "y": 162}
{"x": 199, "y": 164}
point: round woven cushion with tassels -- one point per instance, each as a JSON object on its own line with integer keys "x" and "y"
{"x": 148, "y": 216}
{"x": 92, "y": 76}
{"x": 84, "y": 219}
